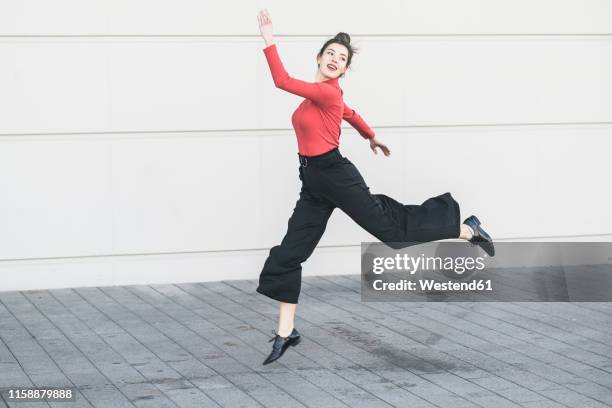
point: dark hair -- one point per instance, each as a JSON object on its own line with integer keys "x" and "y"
{"x": 342, "y": 39}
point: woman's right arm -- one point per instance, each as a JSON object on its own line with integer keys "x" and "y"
{"x": 319, "y": 93}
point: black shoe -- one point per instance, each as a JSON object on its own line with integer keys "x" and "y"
{"x": 480, "y": 237}
{"x": 281, "y": 344}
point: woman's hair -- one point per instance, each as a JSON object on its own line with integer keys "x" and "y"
{"x": 343, "y": 39}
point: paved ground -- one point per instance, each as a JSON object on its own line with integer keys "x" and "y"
{"x": 199, "y": 345}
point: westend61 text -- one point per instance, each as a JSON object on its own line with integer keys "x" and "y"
{"x": 429, "y": 284}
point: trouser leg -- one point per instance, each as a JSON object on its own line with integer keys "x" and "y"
{"x": 396, "y": 224}
{"x": 281, "y": 276}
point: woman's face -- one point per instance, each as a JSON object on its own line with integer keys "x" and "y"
{"x": 332, "y": 63}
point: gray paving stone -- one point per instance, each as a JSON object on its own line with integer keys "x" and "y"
{"x": 200, "y": 345}
{"x": 383, "y": 364}
{"x": 21, "y": 331}
{"x": 541, "y": 370}
{"x": 367, "y": 379}
{"x": 543, "y": 404}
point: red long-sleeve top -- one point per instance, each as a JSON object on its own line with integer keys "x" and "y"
{"x": 318, "y": 118}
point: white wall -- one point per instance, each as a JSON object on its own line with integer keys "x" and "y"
{"x": 145, "y": 142}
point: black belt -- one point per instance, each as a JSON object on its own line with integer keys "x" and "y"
{"x": 330, "y": 155}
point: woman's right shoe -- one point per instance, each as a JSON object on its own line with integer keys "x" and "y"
{"x": 281, "y": 344}
{"x": 480, "y": 237}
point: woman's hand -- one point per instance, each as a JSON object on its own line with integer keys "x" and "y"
{"x": 265, "y": 26}
{"x": 374, "y": 143}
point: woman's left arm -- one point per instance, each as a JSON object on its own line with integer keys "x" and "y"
{"x": 357, "y": 122}
{"x": 364, "y": 130}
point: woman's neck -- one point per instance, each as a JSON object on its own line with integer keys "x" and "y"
{"x": 319, "y": 77}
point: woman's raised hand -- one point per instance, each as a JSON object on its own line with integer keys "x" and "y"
{"x": 265, "y": 25}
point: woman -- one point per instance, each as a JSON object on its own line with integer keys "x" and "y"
{"x": 330, "y": 180}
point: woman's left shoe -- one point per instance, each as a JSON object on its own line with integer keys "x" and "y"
{"x": 281, "y": 344}
{"x": 480, "y": 237}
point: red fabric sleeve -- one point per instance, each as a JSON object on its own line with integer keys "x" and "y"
{"x": 357, "y": 122}
{"x": 319, "y": 93}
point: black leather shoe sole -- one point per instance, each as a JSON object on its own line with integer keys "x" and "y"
{"x": 480, "y": 237}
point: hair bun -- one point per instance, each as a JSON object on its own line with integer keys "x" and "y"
{"x": 344, "y": 37}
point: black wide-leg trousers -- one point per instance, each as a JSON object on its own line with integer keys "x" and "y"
{"x": 330, "y": 180}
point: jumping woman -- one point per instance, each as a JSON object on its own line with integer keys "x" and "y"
{"x": 330, "y": 180}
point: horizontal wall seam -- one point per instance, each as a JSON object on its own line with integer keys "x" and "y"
{"x": 221, "y": 36}
{"x": 123, "y": 132}
{"x": 263, "y": 249}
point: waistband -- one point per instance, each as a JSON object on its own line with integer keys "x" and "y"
{"x": 331, "y": 155}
